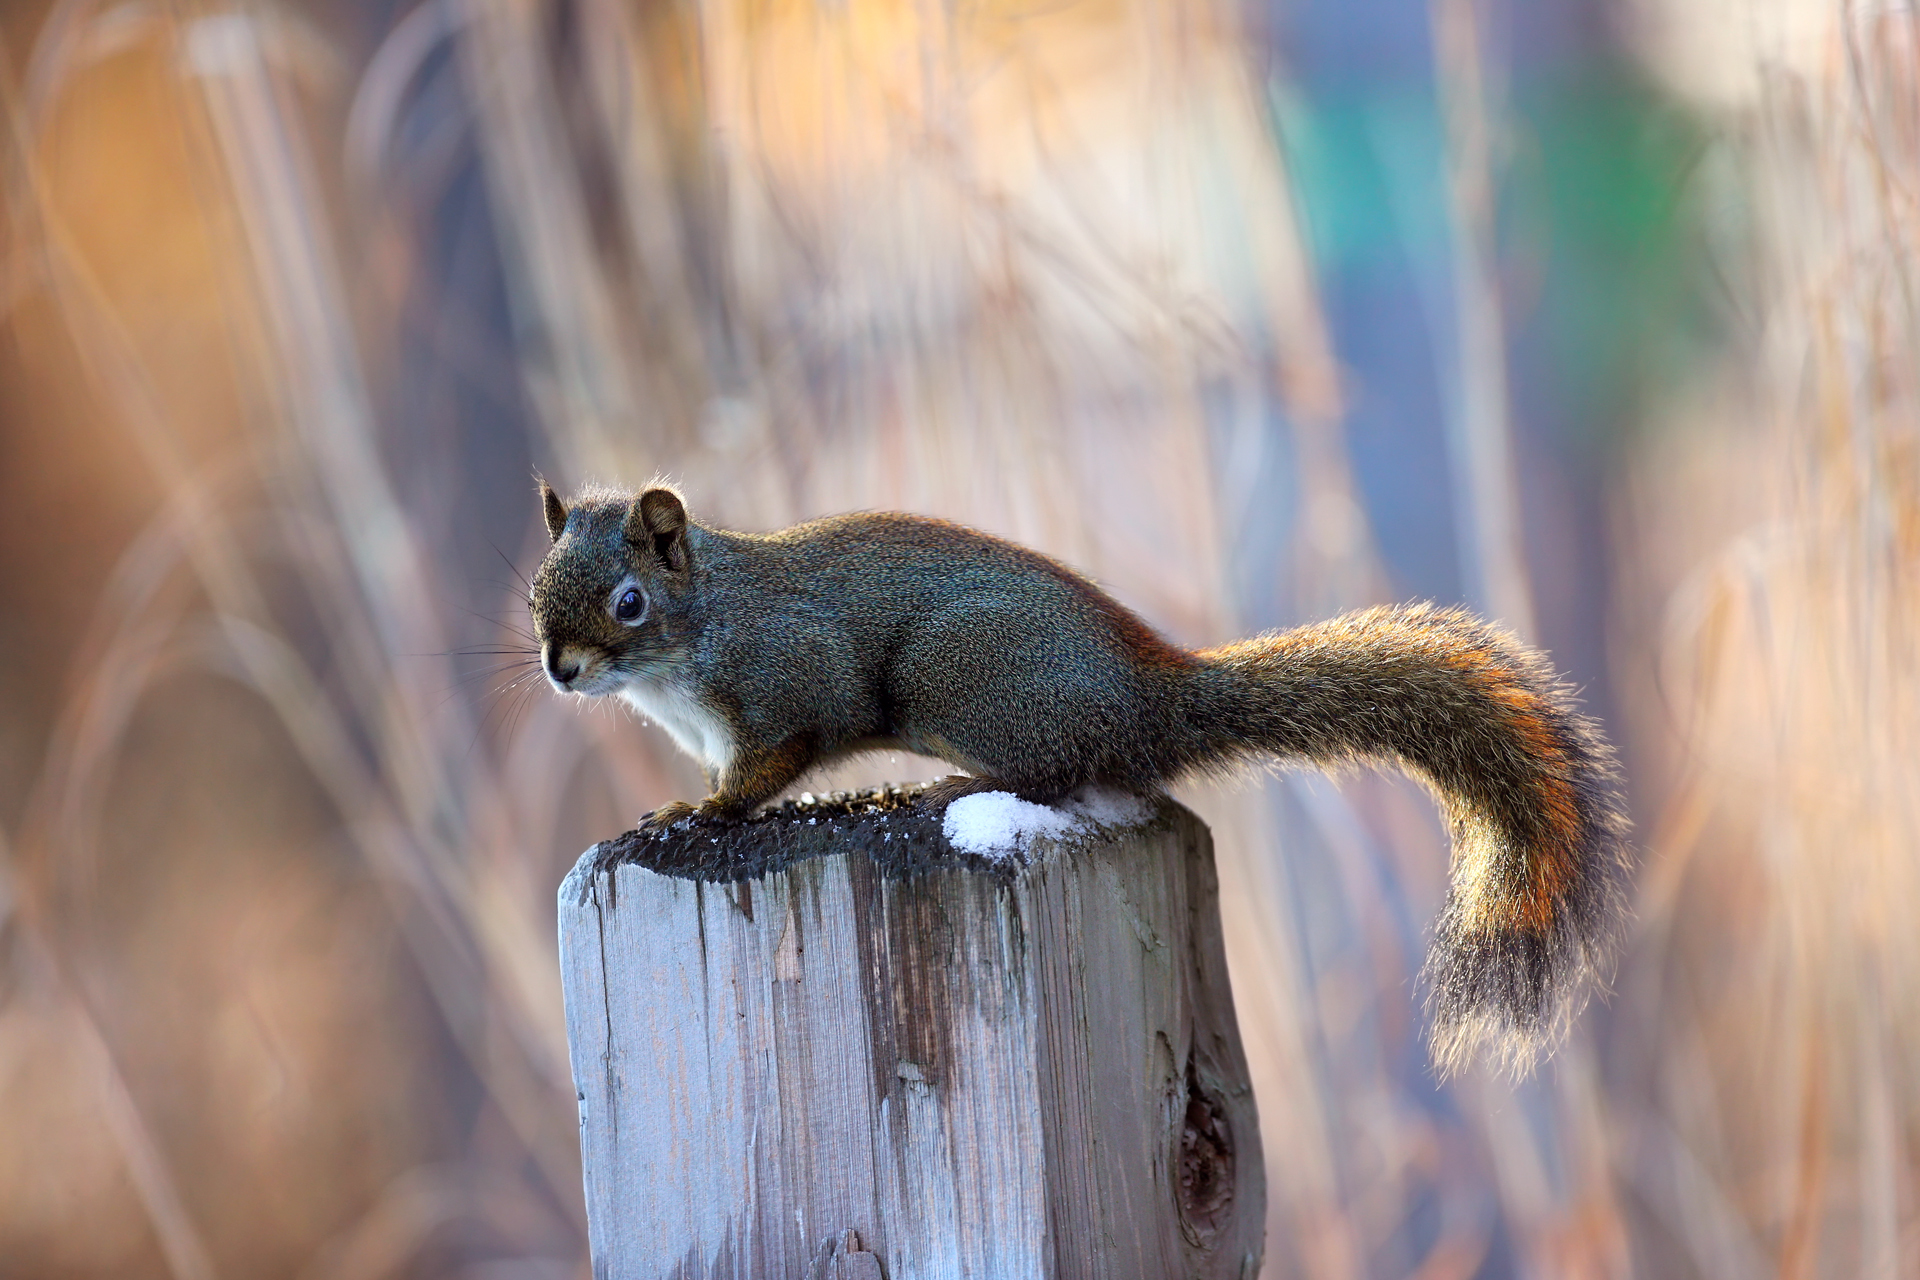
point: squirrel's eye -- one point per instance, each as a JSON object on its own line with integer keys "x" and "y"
{"x": 628, "y": 607}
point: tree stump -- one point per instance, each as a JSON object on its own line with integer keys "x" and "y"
{"x": 828, "y": 1044}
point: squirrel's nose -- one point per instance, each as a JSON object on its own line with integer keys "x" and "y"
{"x": 556, "y": 672}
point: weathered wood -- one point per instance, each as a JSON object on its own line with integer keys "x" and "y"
{"x": 826, "y": 1044}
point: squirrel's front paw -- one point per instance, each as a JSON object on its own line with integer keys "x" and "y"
{"x": 666, "y": 816}
{"x": 712, "y": 809}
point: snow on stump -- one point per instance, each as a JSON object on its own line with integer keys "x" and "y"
{"x": 846, "y": 1040}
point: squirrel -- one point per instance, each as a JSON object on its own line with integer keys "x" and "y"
{"x": 765, "y": 656}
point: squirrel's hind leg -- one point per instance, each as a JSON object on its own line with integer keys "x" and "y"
{"x": 938, "y": 795}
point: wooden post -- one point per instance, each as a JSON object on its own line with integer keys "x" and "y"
{"x": 827, "y": 1044}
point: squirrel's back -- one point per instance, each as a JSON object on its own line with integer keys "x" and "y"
{"x": 985, "y": 653}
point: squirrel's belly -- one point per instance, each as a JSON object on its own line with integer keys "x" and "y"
{"x": 698, "y": 731}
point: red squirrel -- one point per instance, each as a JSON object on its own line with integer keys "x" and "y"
{"x": 767, "y": 655}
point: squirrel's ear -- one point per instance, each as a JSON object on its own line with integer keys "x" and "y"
{"x": 657, "y": 520}
{"x": 554, "y": 510}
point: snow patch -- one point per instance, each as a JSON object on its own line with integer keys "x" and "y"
{"x": 996, "y": 824}
{"x": 1098, "y": 807}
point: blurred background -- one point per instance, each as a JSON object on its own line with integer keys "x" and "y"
{"x": 1599, "y": 316}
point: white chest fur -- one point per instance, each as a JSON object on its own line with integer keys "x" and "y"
{"x": 700, "y": 733}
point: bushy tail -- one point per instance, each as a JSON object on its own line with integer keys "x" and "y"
{"x": 1528, "y": 784}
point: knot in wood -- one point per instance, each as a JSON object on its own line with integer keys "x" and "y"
{"x": 1206, "y": 1164}
{"x": 842, "y": 1258}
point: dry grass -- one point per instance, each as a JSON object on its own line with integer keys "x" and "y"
{"x": 279, "y": 831}
{"x": 1775, "y": 530}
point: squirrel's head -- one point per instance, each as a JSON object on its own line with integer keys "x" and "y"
{"x": 609, "y": 601}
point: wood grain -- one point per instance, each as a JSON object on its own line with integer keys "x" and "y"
{"x": 829, "y": 1046}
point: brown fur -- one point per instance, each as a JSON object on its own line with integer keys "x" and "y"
{"x": 866, "y": 631}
